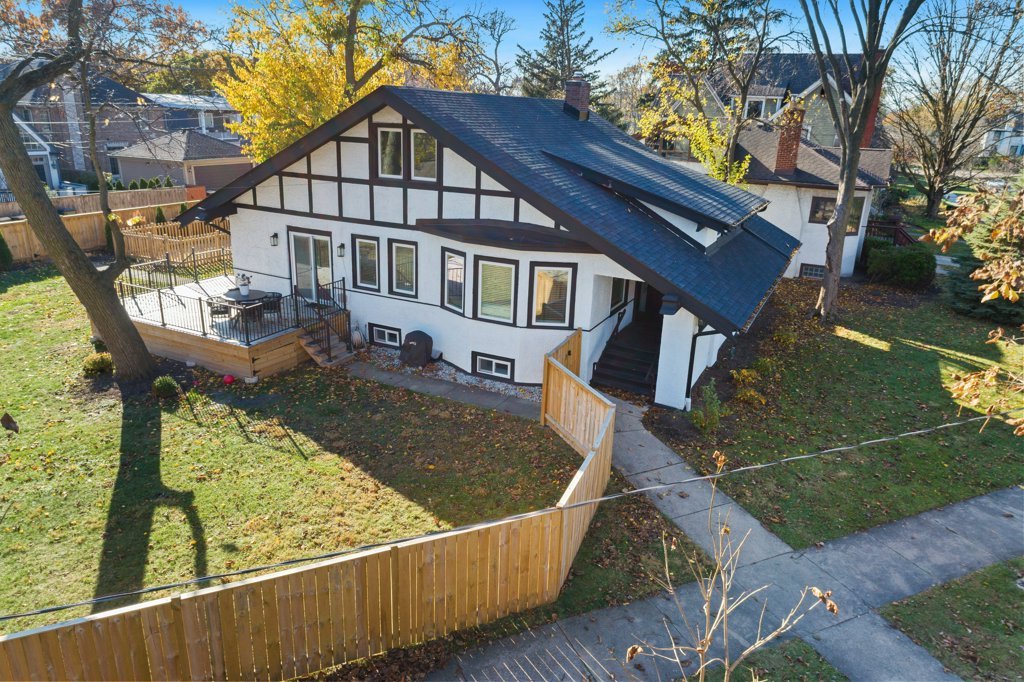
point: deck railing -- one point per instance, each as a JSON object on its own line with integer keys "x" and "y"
{"x": 296, "y": 622}
{"x": 244, "y": 323}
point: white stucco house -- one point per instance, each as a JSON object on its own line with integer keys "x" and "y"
{"x": 499, "y": 224}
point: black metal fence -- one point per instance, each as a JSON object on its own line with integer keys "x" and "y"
{"x": 244, "y": 323}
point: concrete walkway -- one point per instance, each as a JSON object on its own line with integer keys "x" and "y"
{"x": 865, "y": 571}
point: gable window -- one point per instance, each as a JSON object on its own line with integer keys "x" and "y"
{"x": 403, "y": 267}
{"x": 453, "y": 293}
{"x": 493, "y": 366}
{"x": 552, "y": 295}
{"x": 823, "y": 207}
{"x": 755, "y": 108}
{"x": 496, "y": 290}
{"x": 619, "y": 290}
{"x": 389, "y": 153}
{"x": 365, "y": 263}
{"x": 424, "y": 156}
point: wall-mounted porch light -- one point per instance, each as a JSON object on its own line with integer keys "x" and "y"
{"x": 273, "y": 239}
{"x": 341, "y": 250}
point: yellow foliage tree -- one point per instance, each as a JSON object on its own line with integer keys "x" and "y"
{"x": 311, "y": 59}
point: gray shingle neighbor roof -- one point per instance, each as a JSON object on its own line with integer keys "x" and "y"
{"x": 590, "y": 177}
{"x": 815, "y": 165}
{"x": 782, "y": 73}
{"x": 182, "y": 145}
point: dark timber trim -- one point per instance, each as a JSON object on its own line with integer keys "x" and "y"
{"x": 504, "y": 234}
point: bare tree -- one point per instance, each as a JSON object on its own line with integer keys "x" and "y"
{"x": 874, "y": 30}
{"x": 949, "y": 86}
{"x": 630, "y": 87}
{"x": 703, "y": 43}
{"x": 494, "y": 73}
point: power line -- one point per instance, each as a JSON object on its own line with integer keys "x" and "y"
{"x": 514, "y": 517}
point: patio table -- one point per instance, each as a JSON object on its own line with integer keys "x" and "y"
{"x": 235, "y": 296}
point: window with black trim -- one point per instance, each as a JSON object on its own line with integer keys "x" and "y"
{"x": 366, "y": 263}
{"x": 424, "y": 156}
{"x": 385, "y": 336}
{"x": 492, "y": 366}
{"x": 496, "y": 290}
{"x": 403, "y": 267}
{"x": 389, "y": 153}
{"x": 453, "y": 284}
{"x": 552, "y": 295}
{"x": 812, "y": 271}
{"x": 620, "y": 289}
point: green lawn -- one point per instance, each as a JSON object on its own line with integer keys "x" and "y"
{"x": 974, "y": 625}
{"x": 101, "y": 496}
{"x": 886, "y": 369}
{"x": 791, "y": 661}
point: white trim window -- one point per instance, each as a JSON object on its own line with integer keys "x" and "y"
{"x": 496, "y": 291}
{"x": 403, "y": 268}
{"x": 454, "y": 292}
{"x": 493, "y": 367}
{"x": 386, "y": 336}
{"x": 367, "y": 267}
{"x": 552, "y": 291}
{"x": 424, "y": 156}
{"x": 389, "y": 153}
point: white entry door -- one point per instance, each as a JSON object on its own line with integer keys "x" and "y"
{"x": 311, "y": 263}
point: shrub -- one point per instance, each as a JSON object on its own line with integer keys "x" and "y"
{"x": 119, "y": 185}
{"x": 154, "y": 183}
{"x": 6, "y": 258}
{"x": 165, "y": 387}
{"x": 97, "y": 363}
{"x": 765, "y": 366}
{"x": 134, "y": 184}
{"x": 159, "y": 217}
{"x": 911, "y": 267}
{"x": 961, "y": 294}
{"x": 871, "y": 244}
{"x": 168, "y": 182}
{"x": 708, "y": 416}
{"x": 745, "y": 377}
{"x": 182, "y": 208}
{"x": 749, "y": 396}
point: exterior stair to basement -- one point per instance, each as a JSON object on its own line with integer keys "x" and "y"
{"x": 338, "y": 355}
{"x": 629, "y": 361}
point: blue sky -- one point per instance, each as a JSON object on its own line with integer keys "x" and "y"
{"x": 529, "y": 20}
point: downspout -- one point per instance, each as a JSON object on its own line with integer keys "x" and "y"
{"x": 702, "y": 330}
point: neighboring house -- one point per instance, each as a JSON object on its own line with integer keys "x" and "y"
{"x": 1007, "y": 138}
{"x": 208, "y": 114}
{"x": 44, "y": 158}
{"x": 499, "y": 224}
{"x": 188, "y": 157}
{"x": 782, "y": 80}
{"x": 801, "y": 180}
{"x": 55, "y": 113}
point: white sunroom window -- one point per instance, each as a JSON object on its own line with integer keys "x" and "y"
{"x": 496, "y": 291}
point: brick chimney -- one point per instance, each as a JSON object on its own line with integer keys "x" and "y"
{"x": 577, "y": 97}
{"x": 791, "y": 125}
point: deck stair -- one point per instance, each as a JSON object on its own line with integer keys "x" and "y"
{"x": 339, "y": 354}
{"x": 629, "y": 362}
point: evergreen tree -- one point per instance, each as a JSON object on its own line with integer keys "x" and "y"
{"x": 566, "y": 50}
{"x": 159, "y": 217}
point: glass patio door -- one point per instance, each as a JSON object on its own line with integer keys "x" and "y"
{"x": 311, "y": 264}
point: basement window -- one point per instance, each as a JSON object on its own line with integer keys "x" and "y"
{"x": 385, "y": 336}
{"x": 812, "y": 271}
{"x": 492, "y": 366}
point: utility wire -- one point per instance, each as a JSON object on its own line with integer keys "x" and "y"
{"x": 514, "y": 517}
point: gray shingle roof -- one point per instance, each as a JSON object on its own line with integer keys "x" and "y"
{"x": 182, "y": 145}
{"x": 589, "y": 176}
{"x": 782, "y": 73}
{"x": 815, "y": 165}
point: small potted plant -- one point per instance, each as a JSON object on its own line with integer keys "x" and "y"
{"x": 243, "y": 281}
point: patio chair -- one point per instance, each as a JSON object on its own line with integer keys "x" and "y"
{"x": 272, "y": 304}
{"x": 218, "y": 309}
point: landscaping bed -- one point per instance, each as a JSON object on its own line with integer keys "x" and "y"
{"x": 974, "y": 626}
{"x": 884, "y": 369}
{"x": 103, "y": 495}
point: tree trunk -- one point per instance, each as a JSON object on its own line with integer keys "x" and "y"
{"x": 933, "y": 200}
{"x": 132, "y": 360}
{"x": 828, "y": 297}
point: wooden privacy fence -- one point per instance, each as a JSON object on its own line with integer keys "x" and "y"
{"x": 118, "y": 199}
{"x": 86, "y": 228}
{"x": 160, "y": 240}
{"x": 298, "y": 621}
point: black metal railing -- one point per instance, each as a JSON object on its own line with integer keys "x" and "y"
{"x": 244, "y": 323}
{"x": 326, "y": 317}
{"x": 166, "y": 272}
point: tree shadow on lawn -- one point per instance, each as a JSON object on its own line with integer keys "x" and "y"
{"x": 137, "y": 495}
{"x": 25, "y": 274}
